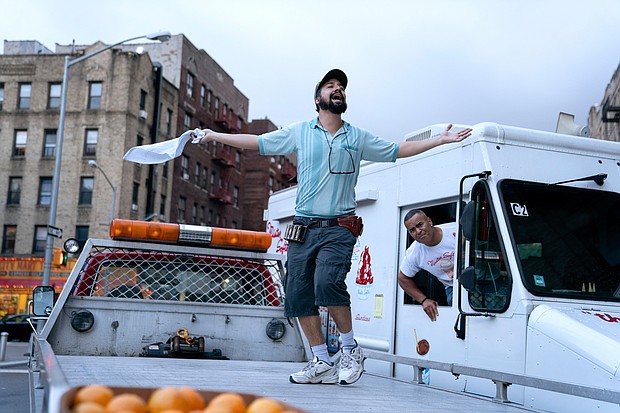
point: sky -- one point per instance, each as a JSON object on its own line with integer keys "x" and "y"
{"x": 410, "y": 63}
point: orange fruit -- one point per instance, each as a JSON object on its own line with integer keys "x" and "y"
{"x": 89, "y": 407}
{"x": 167, "y": 398}
{"x": 127, "y": 402}
{"x": 264, "y": 405}
{"x": 195, "y": 401}
{"x": 226, "y": 403}
{"x": 96, "y": 393}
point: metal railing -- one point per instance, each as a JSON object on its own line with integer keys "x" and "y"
{"x": 501, "y": 379}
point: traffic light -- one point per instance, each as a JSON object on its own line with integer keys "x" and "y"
{"x": 59, "y": 259}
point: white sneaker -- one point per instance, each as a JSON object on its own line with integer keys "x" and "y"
{"x": 316, "y": 371}
{"x": 351, "y": 365}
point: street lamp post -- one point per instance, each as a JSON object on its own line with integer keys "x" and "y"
{"x": 93, "y": 164}
{"x": 49, "y": 246}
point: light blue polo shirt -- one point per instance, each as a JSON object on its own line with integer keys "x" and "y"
{"x": 321, "y": 194}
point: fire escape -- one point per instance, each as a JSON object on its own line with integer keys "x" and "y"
{"x": 224, "y": 155}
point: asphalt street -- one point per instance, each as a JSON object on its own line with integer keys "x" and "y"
{"x": 14, "y": 391}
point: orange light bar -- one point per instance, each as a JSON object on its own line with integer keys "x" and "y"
{"x": 240, "y": 239}
{"x": 147, "y": 231}
{"x": 124, "y": 229}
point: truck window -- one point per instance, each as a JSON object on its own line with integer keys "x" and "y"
{"x": 567, "y": 239}
{"x": 432, "y": 288}
{"x": 492, "y": 283}
{"x": 140, "y": 274}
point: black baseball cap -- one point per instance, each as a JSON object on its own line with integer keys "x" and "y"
{"x": 332, "y": 74}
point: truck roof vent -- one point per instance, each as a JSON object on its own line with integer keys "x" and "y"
{"x": 432, "y": 131}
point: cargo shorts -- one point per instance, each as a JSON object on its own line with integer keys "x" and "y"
{"x": 317, "y": 270}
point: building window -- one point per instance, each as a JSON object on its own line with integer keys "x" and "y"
{"x": 53, "y": 102}
{"x": 212, "y": 183}
{"x": 187, "y": 122}
{"x": 25, "y": 90}
{"x": 164, "y": 170}
{"x": 45, "y": 191}
{"x": 236, "y": 197}
{"x": 40, "y": 239}
{"x": 162, "y": 205}
{"x": 15, "y": 190}
{"x": 90, "y": 142}
{"x": 1, "y": 95}
{"x": 94, "y": 95}
{"x": 185, "y": 167}
{"x": 197, "y": 170}
{"x": 238, "y": 160}
{"x": 21, "y": 138}
{"x": 205, "y": 177}
{"x": 168, "y": 122}
{"x": 203, "y": 93}
{"x": 239, "y": 123}
{"x": 217, "y": 107}
{"x": 209, "y": 100}
{"x": 134, "y": 196}
{"x": 233, "y": 224}
{"x": 270, "y": 185}
{"x": 142, "y": 99}
{"x": 81, "y": 234}
{"x": 201, "y": 217}
{"x": 49, "y": 143}
{"x": 139, "y": 140}
{"x": 190, "y": 85}
{"x": 86, "y": 190}
{"x": 210, "y": 222}
{"x": 195, "y": 214}
{"x": 181, "y": 209}
{"x": 8, "y": 239}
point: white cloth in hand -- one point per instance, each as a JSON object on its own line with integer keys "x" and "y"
{"x": 161, "y": 152}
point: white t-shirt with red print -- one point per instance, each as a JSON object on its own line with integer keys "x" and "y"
{"x": 438, "y": 260}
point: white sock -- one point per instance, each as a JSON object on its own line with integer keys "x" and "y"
{"x": 348, "y": 342}
{"x": 321, "y": 353}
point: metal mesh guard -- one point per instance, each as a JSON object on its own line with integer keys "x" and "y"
{"x": 153, "y": 275}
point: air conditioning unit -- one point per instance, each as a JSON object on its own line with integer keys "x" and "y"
{"x": 134, "y": 207}
{"x": 143, "y": 114}
{"x": 186, "y": 177}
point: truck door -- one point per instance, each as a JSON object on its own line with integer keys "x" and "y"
{"x": 413, "y": 324}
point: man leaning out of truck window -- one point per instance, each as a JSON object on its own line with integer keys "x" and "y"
{"x": 432, "y": 250}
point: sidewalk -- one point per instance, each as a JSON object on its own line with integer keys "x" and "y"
{"x": 15, "y": 355}
{"x": 14, "y": 380}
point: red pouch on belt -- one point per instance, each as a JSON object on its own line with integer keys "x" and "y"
{"x": 353, "y": 223}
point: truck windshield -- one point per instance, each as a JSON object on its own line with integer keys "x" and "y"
{"x": 567, "y": 239}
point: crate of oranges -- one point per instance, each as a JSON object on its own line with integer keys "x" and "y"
{"x": 96, "y": 398}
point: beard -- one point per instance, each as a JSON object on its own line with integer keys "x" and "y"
{"x": 335, "y": 108}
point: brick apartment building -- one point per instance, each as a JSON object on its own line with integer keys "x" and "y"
{"x": 212, "y": 184}
{"x": 113, "y": 101}
{"x": 604, "y": 119}
{"x": 267, "y": 174}
{"x": 112, "y": 104}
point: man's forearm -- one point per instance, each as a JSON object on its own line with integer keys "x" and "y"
{"x": 406, "y": 149}
{"x": 242, "y": 140}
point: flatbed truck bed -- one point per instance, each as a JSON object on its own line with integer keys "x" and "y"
{"x": 372, "y": 393}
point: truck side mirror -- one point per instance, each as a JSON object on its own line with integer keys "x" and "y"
{"x": 468, "y": 221}
{"x": 43, "y": 300}
{"x": 468, "y": 278}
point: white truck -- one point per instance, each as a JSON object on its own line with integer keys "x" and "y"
{"x": 163, "y": 304}
{"x": 537, "y": 271}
